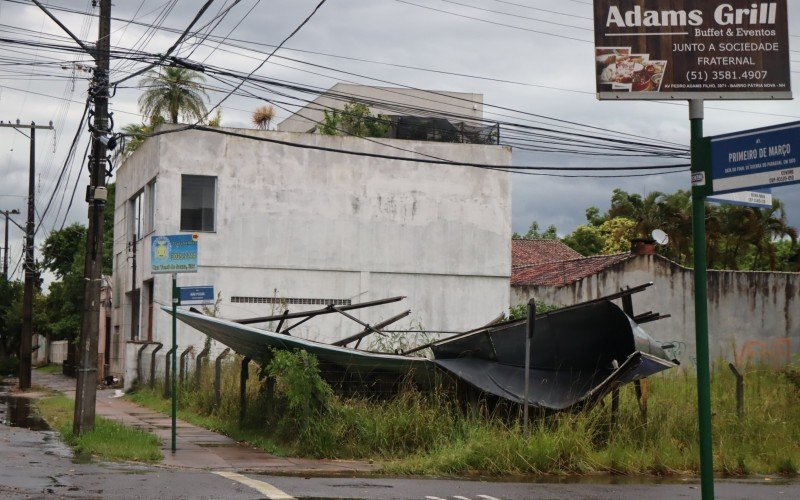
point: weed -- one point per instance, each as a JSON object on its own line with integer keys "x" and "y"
{"x": 427, "y": 433}
{"x": 108, "y": 441}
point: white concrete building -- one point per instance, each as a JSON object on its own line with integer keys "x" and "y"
{"x": 284, "y": 225}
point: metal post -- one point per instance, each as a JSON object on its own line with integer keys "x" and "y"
{"x": 86, "y": 385}
{"x": 5, "y": 251}
{"x": 701, "y": 302}
{"x": 529, "y": 335}
{"x": 175, "y": 299}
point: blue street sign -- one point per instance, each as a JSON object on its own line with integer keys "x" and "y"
{"x": 759, "y": 158}
{"x": 174, "y": 254}
{"x": 196, "y": 295}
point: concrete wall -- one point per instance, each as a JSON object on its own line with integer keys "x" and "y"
{"x": 58, "y": 351}
{"x": 299, "y": 223}
{"x": 752, "y": 316}
{"x": 448, "y": 103}
{"x": 39, "y": 350}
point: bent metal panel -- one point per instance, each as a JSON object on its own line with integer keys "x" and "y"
{"x": 683, "y": 49}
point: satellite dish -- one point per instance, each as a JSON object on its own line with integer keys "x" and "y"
{"x": 660, "y": 236}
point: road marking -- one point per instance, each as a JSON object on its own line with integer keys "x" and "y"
{"x": 266, "y": 489}
{"x": 459, "y": 497}
{"x": 487, "y": 497}
{"x": 434, "y": 498}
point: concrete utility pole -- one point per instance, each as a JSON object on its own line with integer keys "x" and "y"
{"x": 30, "y": 275}
{"x": 96, "y": 195}
{"x": 5, "y": 248}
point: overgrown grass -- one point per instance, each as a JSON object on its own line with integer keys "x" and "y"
{"x": 108, "y": 441}
{"x": 416, "y": 433}
{"x": 50, "y": 368}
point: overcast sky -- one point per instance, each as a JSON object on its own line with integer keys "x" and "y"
{"x": 543, "y": 45}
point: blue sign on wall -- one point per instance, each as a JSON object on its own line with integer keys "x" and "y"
{"x": 196, "y": 295}
{"x": 758, "y": 158}
{"x": 174, "y": 254}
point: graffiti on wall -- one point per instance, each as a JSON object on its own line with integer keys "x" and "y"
{"x": 774, "y": 352}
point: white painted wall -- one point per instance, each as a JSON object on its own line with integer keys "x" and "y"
{"x": 301, "y": 223}
{"x": 752, "y": 316}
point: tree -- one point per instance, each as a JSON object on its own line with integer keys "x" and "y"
{"x": 617, "y": 233}
{"x": 60, "y": 248}
{"x": 551, "y": 233}
{"x": 586, "y": 240}
{"x": 10, "y": 316}
{"x": 355, "y": 119}
{"x": 136, "y": 133}
{"x": 172, "y": 93}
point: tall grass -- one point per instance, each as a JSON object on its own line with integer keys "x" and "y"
{"x": 418, "y": 433}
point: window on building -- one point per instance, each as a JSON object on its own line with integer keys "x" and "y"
{"x": 136, "y": 216}
{"x": 150, "y": 210}
{"x": 198, "y": 193}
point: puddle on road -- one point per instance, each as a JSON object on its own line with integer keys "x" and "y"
{"x": 20, "y": 412}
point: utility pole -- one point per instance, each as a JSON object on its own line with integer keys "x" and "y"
{"x": 30, "y": 275}
{"x": 5, "y": 248}
{"x": 96, "y": 195}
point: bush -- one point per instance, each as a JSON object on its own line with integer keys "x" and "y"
{"x": 301, "y": 393}
{"x": 9, "y": 366}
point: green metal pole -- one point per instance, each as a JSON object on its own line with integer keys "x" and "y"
{"x": 175, "y": 298}
{"x": 699, "y": 190}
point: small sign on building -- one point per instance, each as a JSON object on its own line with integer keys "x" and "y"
{"x": 174, "y": 254}
{"x": 195, "y": 295}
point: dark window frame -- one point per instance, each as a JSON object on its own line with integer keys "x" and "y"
{"x": 199, "y": 221}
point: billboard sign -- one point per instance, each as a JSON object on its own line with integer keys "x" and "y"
{"x": 758, "y": 158}
{"x": 173, "y": 254}
{"x": 702, "y": 49}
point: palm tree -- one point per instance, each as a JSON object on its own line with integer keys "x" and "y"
{"x": 173, "y": 92}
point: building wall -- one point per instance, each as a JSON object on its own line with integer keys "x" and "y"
{"x": 450, "y": 103}
{"x": 752, "y": 316}
{"x": 300, "y": 223}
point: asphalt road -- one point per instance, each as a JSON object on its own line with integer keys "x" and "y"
{"x": 35, "y": 464}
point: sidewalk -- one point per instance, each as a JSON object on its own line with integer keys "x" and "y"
{"x": 199, "y": 448}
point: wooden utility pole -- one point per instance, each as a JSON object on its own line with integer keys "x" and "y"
{"x": 30, "y": 274}
{"x": 96, "y": 195}
{"x": 6, "y": 213}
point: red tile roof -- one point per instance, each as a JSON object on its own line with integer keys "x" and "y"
{"x": 531, "y": 252}
{"x": 564, "y": 272}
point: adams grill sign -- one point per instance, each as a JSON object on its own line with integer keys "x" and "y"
{"x": 684, "y": 49}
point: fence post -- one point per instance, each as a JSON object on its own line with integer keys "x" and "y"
{"x": 642, "y": 393}
{"x": 218, "y": 376}
{"x": 182, "y": 372}
{"x": 739, "y": 390}
{"x": 199, "y": 366}
{"x": 614, "y": 401}
{"x": 243, "y": 376}
{"x": 167, "y": 373}
{"x": 138, "y": 362}
{"x": 152, "y": 382}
